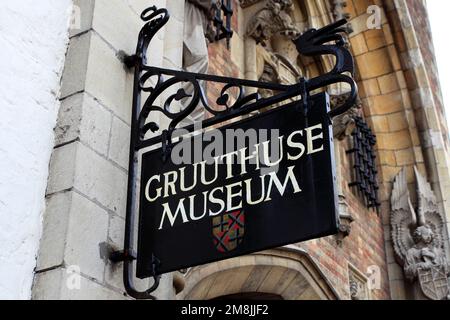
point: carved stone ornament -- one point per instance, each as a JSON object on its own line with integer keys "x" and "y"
{"x": 248, "y": 3}
{"x": 344, "y": 124}
{"x": 345, "y": 227}
{"x": 357, "y": 285}
{"x": 418, "y": 237}
{"x": 339, "y": 12}
{"x": 275, "y": 68}
{"x": 272, "y": 19}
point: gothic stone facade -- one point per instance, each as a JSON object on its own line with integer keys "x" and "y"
{"x": 399, "y": 99}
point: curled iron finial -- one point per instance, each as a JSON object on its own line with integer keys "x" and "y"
{"x": 330, "y": 41}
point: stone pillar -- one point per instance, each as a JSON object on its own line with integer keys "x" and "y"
{"x": 250, "y": 59}
{"x": 86, "y": 194}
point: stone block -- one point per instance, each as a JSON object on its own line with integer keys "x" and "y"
{"x": 401, "y": 80}
{"x": 385, "y": 104}
{"x": 120, "y": 143}
{"x": 361, "y": 6}
{"x": 176, "y": 10}
{"x": 397, "y": 290}
{"x": 116, "y": 231}
{"x": 173, "y": 44}
{"x": 405, "y": 157}
{"x": 47, "y": 285}
{"x": 394, "y": 141}
{"x": 394, "y": 57}
{"x": 62, "y": 168}
{"x": 387, "y": 158}
{"x": 388, "y": 83}
{"x": 237, "y": 52}
{"x": 397, "y": 121}
{"x": 77, "y": 166}
{"x": 56, "y": 222}
{"x": 379, "y": 124}
{"x": 62, "y": 284}
{"x": 350, "y": 8}
{"x": 82, "y": 118}
{"x": 108, "y": 80}
{"x": 359, "y": 45}
{"x": 117, "y": 23}
{"x": 91, "y": 290}
{"x": 388, "y": 34}
{"x": 370, "y": 88}
{"x": 374, "y": 63}
{"x": 88, "y": 228}
{"x": 73, "y": 229}
{"x": 375, "y": 39}
{"x": 156, "y": 51}
{"x": 82, "y": 15}
{"x": 100, "y": 180}
{"x": 74, "y": 75}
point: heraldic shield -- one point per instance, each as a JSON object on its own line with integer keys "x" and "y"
{"x": 228, "y": 230}
{"x": 434, "y": 283}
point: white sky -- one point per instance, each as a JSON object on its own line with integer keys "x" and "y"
{"x": 440, "y": 25}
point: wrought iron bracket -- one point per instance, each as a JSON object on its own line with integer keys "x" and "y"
{"x": 158, "y": 82}
{"x": 130, "y": 61}
{"x": 121, "y": 256}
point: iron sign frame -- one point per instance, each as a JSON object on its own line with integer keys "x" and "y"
{"x": 326, "y": 41}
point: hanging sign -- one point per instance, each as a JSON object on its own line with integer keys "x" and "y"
{"x": 263, "y": 182}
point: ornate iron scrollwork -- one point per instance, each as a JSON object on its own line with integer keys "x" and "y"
{"x": 227, "y": 106}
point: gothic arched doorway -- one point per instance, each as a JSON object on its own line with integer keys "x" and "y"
{"x": 280, "y": 274}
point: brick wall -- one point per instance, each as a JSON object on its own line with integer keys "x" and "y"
{"x": 364, "y": 248}
{"x": 221, "y": 62}
{"x": 380, "y": 89}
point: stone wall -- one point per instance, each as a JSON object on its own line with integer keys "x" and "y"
{"x": 420, "y": 19}
{"x": 34, "y": 41}
{"x": 425, "y": 109}
{"x": 86, "y": 193}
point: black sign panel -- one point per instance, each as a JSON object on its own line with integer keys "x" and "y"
{"x": 275, "y": 191}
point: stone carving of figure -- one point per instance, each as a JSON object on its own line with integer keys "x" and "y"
{"x": 418, "y": 237}
{"x": 273, "y": 18}
{"x": 423, "y": 255}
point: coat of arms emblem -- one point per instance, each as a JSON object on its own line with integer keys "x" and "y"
{"x": 228, "y": 230}
{"x": 434, "y": 283}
